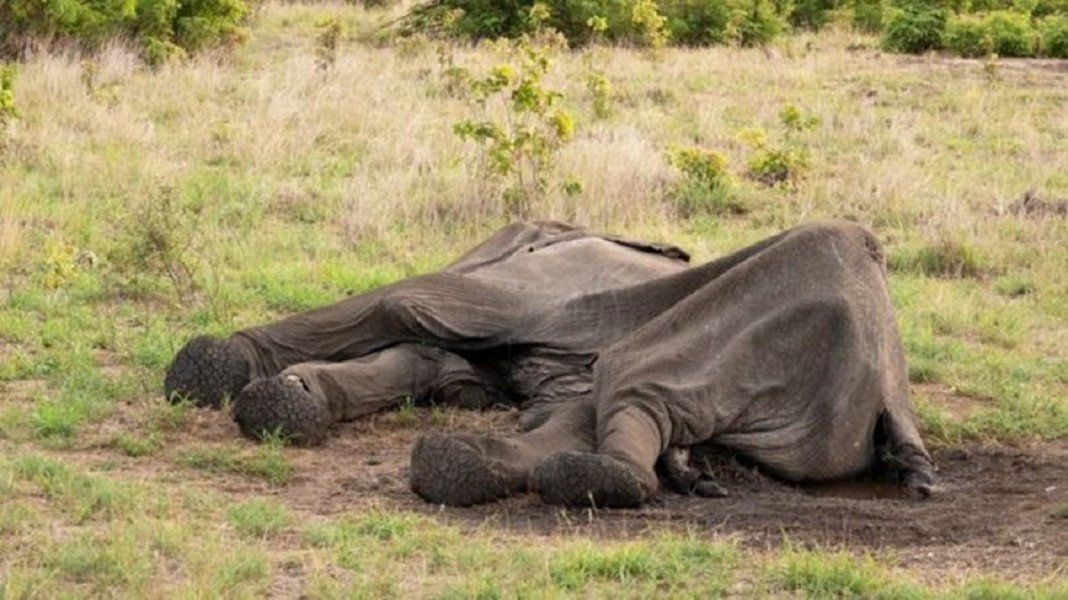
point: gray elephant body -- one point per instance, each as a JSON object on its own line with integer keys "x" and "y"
{"x": 786, "y": 351}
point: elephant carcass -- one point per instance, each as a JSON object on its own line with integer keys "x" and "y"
{"x": 786, "y": 351}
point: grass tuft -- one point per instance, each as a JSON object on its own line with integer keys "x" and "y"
{"x": 837, "y": 575}
{"x": 945, "y": 258}
{"x": 81, "y": 497}
{"x": 135, "y": 445}
{"x": 258, "y": 518}
{"x": 664, "y": 564}
{"x": 267, "y": 461}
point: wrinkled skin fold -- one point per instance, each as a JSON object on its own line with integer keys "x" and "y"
{"x": 620, "y": 354}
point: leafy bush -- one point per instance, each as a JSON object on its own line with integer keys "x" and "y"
{"x": 705, "y": 184}
{"x": 1054, "y": 34}
{"x": 710, "y": 22}
{"x": 8, "y": 114}
{"x": 914, "y": 28}
{"x": 810, "y": 14}
{"x": 786, "y": 162}
{"x": 1045, "y": 8}
{"x": 1003, "y": 33}
{"x": 977, "y": 6}
{"x": 644, "y": 22}
{"x": 520, "y": 129}
{"x": 968, "y": 37}
{"x": 697, "y": 22}
{"x": 868, "y": 15}
{"x": 164, "y": 28}
{"x": 1011, "y": 33}
{"x": 754, "y": 23}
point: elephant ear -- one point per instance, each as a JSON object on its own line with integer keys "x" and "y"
{"x": 666, "y": 250}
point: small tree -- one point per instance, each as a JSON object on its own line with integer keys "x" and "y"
{"x": 520, "y": 130}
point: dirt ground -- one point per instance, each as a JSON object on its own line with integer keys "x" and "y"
{"x": 1001, "y": 511}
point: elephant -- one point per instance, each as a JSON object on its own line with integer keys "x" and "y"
{"x": 620, "y": 355}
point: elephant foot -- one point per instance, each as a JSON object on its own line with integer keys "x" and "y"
{"x": 687, "y": 480}
{"x": 445, "y": 470}
{"x": 585, "y": 479}
{"x": 916, "y": 472}
{"x": 922, "y": 482}
{"x": 282, "y": 405}
{"x": 206, "y": 371}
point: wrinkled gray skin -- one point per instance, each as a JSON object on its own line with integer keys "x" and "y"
{"x": 620, "y": 355}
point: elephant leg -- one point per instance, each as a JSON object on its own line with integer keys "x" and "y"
{"x": 446, "y": 310}
{"x": 898, "y": 447}
{"x": 620, "y": 474}
{"x": 465, "y": 469}
{"x": 303, "y": 400}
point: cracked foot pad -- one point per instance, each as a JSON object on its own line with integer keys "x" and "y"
{"x": 584, "y": 479}
{"x": 206, "y": 370}
{"x": 282, "y": 405}
{"x": 444, "y": 470}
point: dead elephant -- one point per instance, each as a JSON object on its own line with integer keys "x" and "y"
{"x": 620, "y": 354}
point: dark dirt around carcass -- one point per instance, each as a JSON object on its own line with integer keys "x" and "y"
{"x": 1001, "y": 510}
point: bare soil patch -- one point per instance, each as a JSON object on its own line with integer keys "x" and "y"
{"x": 1001, "y": 511}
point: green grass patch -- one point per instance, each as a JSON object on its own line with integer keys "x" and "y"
{"x": 836, "y": 575}
{"x": 944, "y": 258}
{"x": 267, "y": 461}
{"x": 137, "y": 445}
{"x": 665, "y": 564}
{"x": 258, "y": 518}
{"x": 79, "y": 496}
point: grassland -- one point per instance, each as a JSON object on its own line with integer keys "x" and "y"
{"x": 138, "y": 208}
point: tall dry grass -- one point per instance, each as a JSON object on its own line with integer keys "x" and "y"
{"x": 909, "y": 147}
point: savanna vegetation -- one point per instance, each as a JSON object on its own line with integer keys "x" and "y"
{"x": 146, "y": 197}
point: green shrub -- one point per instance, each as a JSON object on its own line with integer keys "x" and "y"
{"x": 754, "y": 23}
{"x": 968, "y": 37}
{"x": 810, "y": 14}
{"x": 519, "y": 128}
{"x": 1003, "y": 33}
{"x": 977, "y": 6}
{"x": 202, "y": 24}
{"x": 705, "y": 185}
{"x": 1045, "y": 8}
{"x": 645, "y": 22}
{"x": 868, "y": 15}
{"x": 1011, "y": 33}
{"x": 163, "y": 28}
{"x": 917, "y": 27}
{"x": 697, "y": 22}
{"x": 1054, "y": 35}
{"x": 8, "y": 113}
{"x": 786, "y": 162}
